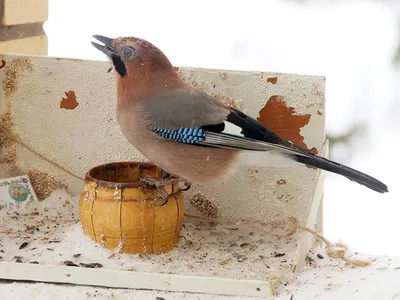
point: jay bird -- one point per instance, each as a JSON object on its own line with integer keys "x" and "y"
{"x": 190, "y": 135}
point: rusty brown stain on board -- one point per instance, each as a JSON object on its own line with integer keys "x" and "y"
{"x": 12, "y": 73}
{"x": 284, "y": 121}
{"x": 69, "y": 102}
{"x": 272, "y": 80}
{"x": 281, "y": 182}
{"x": 319, "y": 113}
{"x": 3, "y": 64}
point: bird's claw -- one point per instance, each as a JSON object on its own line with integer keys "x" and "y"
{"x": 187, "y": 186}
{"x": 159, "y": 185}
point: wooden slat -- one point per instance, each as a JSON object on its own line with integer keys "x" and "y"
{"x": 133, "y": 280}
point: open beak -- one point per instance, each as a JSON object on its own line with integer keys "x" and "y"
{"x": 107, "y": 48}
{"x": 110, "y": 51}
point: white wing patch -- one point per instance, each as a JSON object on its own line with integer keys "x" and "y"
{"x": 232, "y": 129}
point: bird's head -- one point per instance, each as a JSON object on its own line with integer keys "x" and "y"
{"x": 133, "y": 57}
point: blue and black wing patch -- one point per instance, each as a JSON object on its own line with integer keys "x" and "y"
{"x": 182, "y": 135}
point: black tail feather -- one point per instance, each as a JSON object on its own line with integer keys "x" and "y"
{"x": 353, "y": 175}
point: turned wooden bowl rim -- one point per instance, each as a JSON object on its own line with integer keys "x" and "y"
{"x": 112, "y": 166}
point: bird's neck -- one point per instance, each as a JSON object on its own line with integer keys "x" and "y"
{"x": 141, "y": 84}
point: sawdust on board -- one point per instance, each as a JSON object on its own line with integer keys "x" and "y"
{"x": 8, "y": 151}
{"x": 49, "y": 232}
{"x": 12, "y": 72}
{"x": 204, "y": 205}
{"x": 44, "y": 184}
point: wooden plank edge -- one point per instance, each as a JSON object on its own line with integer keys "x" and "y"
{"x": 133, "y": 280}
{"x": 305, "y": 238}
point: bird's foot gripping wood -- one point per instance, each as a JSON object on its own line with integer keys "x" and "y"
{"x": 167, "y": 179}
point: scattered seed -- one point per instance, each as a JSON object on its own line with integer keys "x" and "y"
{"x": 279, "y": 254}
{"x": 85, "y": 265}
{"x": 241, "y": 258}
{"x": 54, "y": 241}
{"x": 160, "y": 298}
{"x": 309, "y": 259}
{"x": 50, "y": 249}
{"x": 17, "y": 257}
{"x": 72, "y": 265}
{"x": 18, "y": 260}
{"x": 320, "y": 256}
{"x": 244, "y": 245}
{"x": 34, "y": 262}
{"x": 94, "y": 265}
{"x": 23, "y": 245}
{"x": 225, "y": 261}
{"x": 76, "y": 255}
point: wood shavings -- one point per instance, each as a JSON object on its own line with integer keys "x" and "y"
{"x": 8, "y": 152}
{"x": 12, "y": 73}
{"x": 252, "y": 173}
{"x": 205, "y": 206}
{"x": 6, "y": 123}
{"x": 223, "y": 75}
{"x": 230, "y": 251}
{"x": 44, "y": 184}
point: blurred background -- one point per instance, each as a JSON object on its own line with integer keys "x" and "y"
{"x": 355, "y": 44}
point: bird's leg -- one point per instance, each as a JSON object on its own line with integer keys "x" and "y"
{"x": 165, "y": 179}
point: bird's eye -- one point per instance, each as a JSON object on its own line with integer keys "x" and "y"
{"x": 129, "y": 52}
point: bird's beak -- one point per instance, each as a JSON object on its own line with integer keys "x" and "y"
{"x": 107, "y": 49}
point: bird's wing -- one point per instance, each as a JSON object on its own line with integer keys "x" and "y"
{"x": 193, "y": 117}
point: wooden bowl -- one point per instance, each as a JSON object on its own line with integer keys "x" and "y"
{"x": 121, "y": 213}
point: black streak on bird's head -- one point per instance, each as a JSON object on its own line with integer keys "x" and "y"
{"x": 132, "y": 56}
